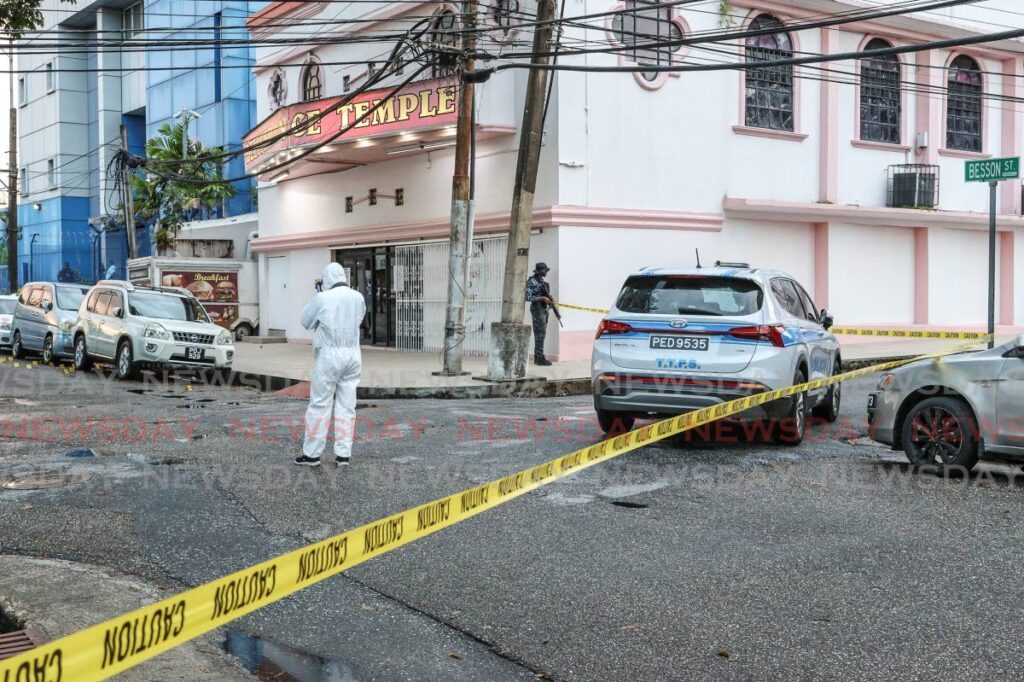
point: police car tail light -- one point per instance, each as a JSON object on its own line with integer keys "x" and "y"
{"x": 768, "y": 332}
{"x": 612, "y": 327}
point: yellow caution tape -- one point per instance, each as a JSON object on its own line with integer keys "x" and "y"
{"x": 599, "y": 311}
{"x": 909, "y": 333}
{"x": 854, "y": 331}
{"x": 103, "y": 650}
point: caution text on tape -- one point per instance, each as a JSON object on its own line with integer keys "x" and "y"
{"x": 103, "y": 650}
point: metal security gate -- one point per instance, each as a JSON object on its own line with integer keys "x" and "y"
{"x": 420, "y": 280}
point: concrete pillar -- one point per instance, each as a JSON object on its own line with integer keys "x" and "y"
{"x": 821, "y": 256}
{"x": 108, "y": 99}
{"x": 828, "y": 165}
{"x": 930, "y": 105}
{"x": 1006, "y": 277}
{"x": 921, "y": 275}
{"x": 1009, "y": 192}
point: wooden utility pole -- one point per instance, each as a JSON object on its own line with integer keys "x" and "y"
{"x": 510, "y": 337}
{"x": 462, "y": 206}
{"x": 12, "y": 182}
{"x": 126, "y": 189}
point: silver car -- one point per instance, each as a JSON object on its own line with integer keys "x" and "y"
{"x": 683, "y": 339}
{"x": 44, "y": 319}
{"x": 951, "y": 411}
{"x": 7, "y": 304}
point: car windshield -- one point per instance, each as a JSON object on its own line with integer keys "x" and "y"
{"x": 690, "y": 295}
{"x": 7, "y": 306}
{"x": 166, "y": 307}
{"x": 69, "y": 298}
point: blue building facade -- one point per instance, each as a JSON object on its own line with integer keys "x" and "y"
{"x": 72, "y": 110}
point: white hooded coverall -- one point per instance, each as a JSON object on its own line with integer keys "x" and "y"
{"x": 335, "y": 315}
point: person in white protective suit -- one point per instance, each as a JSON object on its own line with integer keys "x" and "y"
{"x": 334, "y": 315}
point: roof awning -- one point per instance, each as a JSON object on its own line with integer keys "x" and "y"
{"x": 357, "y": 130}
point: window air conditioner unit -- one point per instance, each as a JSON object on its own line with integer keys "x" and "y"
{"x": 913, "y": 185}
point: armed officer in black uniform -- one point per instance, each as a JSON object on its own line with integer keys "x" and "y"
{"x": 538, "y": 294}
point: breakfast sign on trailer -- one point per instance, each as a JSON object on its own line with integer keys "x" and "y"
{"x": 216, "y": 291}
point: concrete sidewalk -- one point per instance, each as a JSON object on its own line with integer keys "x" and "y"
{"x": 58, "y": 598}
{"x": 389, "y": 373}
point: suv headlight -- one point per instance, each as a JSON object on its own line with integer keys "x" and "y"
{"x": 67, "y": 326}
{"x": 6, "y": 326}
{"x": 156, "y": 331}
{"x": 225, "y": 338}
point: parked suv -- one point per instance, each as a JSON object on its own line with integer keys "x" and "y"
{"x": 681, "y": 340}
{"x": 44, "y": 319}
{"x": 7, "y": 304}
{"x": 156, "y": 327}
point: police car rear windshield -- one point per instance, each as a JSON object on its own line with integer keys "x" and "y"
{"x": 166, "y": 307}
{"x": 690, "y": 295}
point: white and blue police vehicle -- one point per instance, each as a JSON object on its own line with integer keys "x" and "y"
{"x": 678, "y": 340}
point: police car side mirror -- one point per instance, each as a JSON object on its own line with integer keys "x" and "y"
{"x": 117, "y": 312}
{"x": 47, "y": 307}
{"x": 1018, "y": 350}
{"x": 826, "y": 319}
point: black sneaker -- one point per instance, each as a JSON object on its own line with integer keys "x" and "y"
{"x": 541, "y": 360}
{"x": 342, "y": 461}
{"x": 307, "y": 461}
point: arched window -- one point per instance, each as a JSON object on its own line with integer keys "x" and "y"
{"x": 881, "y": 102}
{"x": 641, "y": 24}
{"x": 278, "y": 91}
{"x": 444, "y": 39}
{"x": 963, "y": 105}
{"x": 505, "y": 12}
{"x": 311, "y": 84}
{"x": 769, "y": 91}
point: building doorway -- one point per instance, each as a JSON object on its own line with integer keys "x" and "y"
{"x": 369, "y": 272}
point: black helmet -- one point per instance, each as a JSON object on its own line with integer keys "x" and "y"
{"x": 541, "y": 268}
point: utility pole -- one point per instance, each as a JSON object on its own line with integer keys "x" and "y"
{"x": 462, "y": 206}
{"x": 126, "y": 189}
{"x": 12, "y": 182}
{"x": 510, "y": 337}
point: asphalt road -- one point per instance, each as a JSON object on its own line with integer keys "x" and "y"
{"x": 695, "y": 558}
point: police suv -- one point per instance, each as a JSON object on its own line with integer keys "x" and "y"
{"x": 680, "y": 340}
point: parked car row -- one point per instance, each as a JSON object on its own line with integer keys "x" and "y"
{"x": 134, "y": 327}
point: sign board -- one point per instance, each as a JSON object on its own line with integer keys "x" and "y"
{"x": 426, "y": 104}
{"x": 992, "y": 170}
{"x": 216, "y": 291}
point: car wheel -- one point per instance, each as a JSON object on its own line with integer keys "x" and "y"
{"x": 791, "y": 428}
{"x": 829, "y": 407}
{"x": 941, "y": 432}
{"x": 614, "y": 423}
{"x": 82, "y": 359}
{"x": 17, "y": 349}
{"x": 48, "y": 350}
{"x": 126, "y": 366}
{"x": 242, "y": 332}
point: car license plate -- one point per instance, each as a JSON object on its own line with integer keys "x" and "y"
{"x": 676, "y": 342}
{"x": 194, "y": 353}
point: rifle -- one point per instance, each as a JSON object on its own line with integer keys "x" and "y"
{"x": 554, "y": 306}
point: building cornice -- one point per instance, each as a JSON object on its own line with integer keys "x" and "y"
{"x": 490, "y": 223}
{"x": 800, "y": 212}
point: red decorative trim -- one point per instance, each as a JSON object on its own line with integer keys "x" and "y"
{"x": 800, "y": 212}
{"x": 488, "y": 223}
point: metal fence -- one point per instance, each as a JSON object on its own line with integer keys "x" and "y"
{"x": 421, "y": 290}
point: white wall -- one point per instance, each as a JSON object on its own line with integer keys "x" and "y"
{"x": 596, "y": 261}
{"x": 871, "y": 274}
{"x": 958, "y": 281}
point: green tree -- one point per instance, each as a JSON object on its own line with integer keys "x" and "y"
{"x": 178, "y": 189}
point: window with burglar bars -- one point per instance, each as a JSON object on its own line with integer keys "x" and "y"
{"x": 311, "y": 85}
{"x": 445, "y": 41}
{"x": 769, "y": 89}
{"x": 963, "y": 105}
{"x": 880, "y": 97}
{"x": 642, "y": 28}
